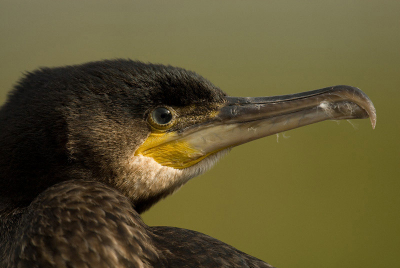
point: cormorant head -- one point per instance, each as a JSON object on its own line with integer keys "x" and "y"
{"x": 143, "y": 129}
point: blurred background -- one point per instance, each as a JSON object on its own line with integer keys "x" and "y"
{"x": 325, "y": 195}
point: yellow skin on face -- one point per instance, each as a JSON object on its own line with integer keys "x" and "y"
{"x": 167, "y": 149}
{"x": 176, "y": 153}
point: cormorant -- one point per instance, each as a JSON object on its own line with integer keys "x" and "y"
{"x": 85, "y": 149}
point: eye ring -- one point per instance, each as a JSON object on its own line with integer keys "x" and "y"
{"x": 162, "y": 117}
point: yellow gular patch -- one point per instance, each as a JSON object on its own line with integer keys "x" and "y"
{"x": 167, "y": 151}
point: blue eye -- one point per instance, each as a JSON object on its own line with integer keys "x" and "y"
{"x": 161, "y": 115}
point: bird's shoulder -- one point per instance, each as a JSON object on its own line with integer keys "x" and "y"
{"x": 80, "y": 224}
{"x": 187, "y": 248}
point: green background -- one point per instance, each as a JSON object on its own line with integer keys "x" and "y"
{"x": 327, "y": 196}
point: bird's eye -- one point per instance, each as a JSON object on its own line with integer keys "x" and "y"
{"x": 161, "y": 117}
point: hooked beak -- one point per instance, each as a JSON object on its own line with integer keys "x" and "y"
{"x": 241, "y": 120}
{"x": 246, "y": 119}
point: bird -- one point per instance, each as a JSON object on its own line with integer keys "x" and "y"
{"x": 85, "y": 149}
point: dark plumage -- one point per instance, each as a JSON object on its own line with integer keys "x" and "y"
{"x": 80, "y": 122}
{"x": 82, "y": 153}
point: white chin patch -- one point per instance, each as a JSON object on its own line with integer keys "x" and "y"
{"x": 143, "y": 176}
